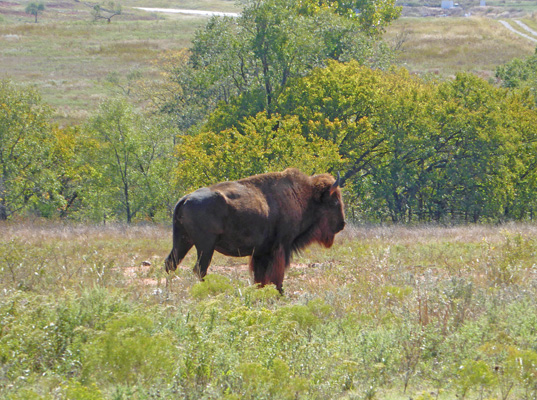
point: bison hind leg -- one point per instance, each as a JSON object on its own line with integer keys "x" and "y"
{"x": 176, "y": 255}
{"x": 205, "y": 255}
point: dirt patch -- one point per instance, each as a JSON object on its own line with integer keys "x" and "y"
{"x": 140, "y": 274}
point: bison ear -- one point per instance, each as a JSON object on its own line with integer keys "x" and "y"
{"x": 324, "y": 188}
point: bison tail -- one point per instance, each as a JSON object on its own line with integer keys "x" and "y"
{"x": 181, "y": 242}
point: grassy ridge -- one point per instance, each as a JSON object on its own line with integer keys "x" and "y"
{"x": 388, "y": 312}
{"x": 68, "y": 56}
{"x": 70, "y": 61}
{"x": 445, "y": 46}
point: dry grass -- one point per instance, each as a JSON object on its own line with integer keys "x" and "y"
{"x": 446, "y": 46}
{"x": 134, "y": 256}
{"x": 68, "y": 56}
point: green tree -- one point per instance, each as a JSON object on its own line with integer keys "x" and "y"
{"x": 519, "y": 73}
{"x": 372, "y": 15}
{"x": 262, "y": 144}
{"x": 378, "y": 120}
{"x": 131, "y": 157}
{"x": 111, "y": 10}
{"x": 246, "y": 62}
{"x": 72, "y": 172}
{"x": 25, "y": 143}
{"x": 420, "y": 150}
{"x": 34, "y": 9}
{"x": 521, "y": 118}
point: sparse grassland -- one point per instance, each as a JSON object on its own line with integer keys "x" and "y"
{"x": 446, "y": 46}
{"x": 69, "y": 57}
{"x": 69, "y": 61}
{"x": 388, "y": 313}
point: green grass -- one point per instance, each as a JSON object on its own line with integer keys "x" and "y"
{"x": 387, "y": 313}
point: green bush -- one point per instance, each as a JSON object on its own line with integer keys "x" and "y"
{"x": 128, "y": 351}
{"x": 211, "y": 285}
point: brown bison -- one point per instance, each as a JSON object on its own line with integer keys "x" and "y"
{"x": 266, "y": 217}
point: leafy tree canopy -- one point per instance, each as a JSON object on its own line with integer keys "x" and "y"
{"x": 263, "y": 144}
{"x": 519, "y": 73}
{"x": 34, "y": 9}
{"x": 251, "y": 59}
{"x": 25, "y": 143}
{"x": 131, "y": 157}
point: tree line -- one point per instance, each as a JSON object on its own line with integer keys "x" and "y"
{"x": 253, "y": 96}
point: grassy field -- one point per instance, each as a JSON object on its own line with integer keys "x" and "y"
{"x": 445, "y": 46}
{"x": 387, "y": 313}
{"x": 69, "y": 57}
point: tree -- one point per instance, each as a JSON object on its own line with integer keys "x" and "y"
{"x": 372, "y": 15}
{"x": 34, "y": 9}
{"x": 380, "y": 122}
{"x": 421, "y": 150}
{"x": 25, "y": 142}
{"x": 72, "y": 171}
{"x": 131, "y": 157}
{"x": 519, "y": 73}
{"x": 262, "y": 144}
{"x": 252, "y": 58}
{"x": 100, "y": 12}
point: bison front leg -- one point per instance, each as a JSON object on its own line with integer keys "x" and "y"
{"x": 258, "y": 267}
{"x": 270, "y": 268}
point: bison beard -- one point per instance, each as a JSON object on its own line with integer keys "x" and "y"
{"x": 266, "y": 217}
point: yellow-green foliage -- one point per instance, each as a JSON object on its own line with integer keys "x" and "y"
{"x": 262, "y": 144}
{"x": 211, "y": 285}
{"x": 129, "y": 350}
{"x": 76, "y": 390}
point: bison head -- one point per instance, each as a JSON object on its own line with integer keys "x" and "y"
{"x": 330, "y": 214}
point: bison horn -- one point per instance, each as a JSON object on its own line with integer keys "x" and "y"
{"x": 335, "y": 185}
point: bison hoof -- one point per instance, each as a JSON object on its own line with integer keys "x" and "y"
{"x": 169, "y": 267}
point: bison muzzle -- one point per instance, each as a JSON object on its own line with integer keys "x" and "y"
{"x": 266, "y": 217}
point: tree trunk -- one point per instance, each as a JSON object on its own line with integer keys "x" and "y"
{"x": 3, "y": 212}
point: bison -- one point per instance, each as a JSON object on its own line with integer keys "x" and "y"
{"x": 267, "y": 217}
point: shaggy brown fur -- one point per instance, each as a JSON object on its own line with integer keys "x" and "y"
{"x": 266, "y": 217}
